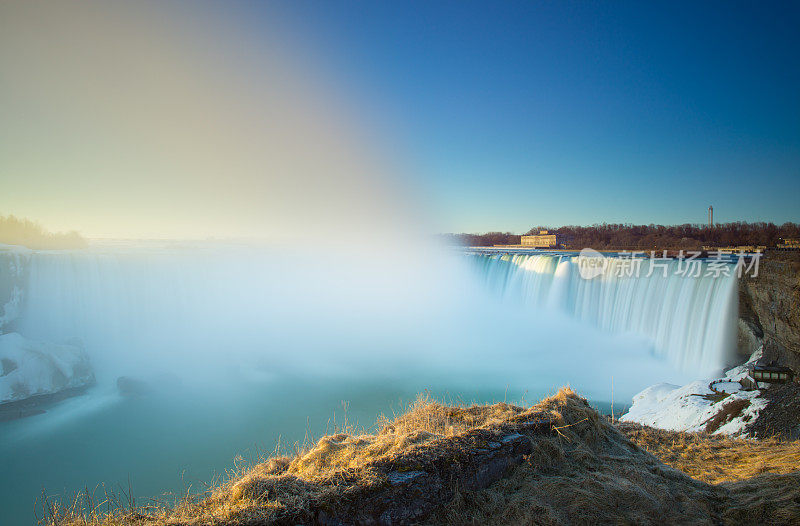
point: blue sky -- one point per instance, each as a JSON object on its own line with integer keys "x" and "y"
{"x": 514, "y": 114}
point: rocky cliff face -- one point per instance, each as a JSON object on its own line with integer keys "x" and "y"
{"x": 769, "y": 309}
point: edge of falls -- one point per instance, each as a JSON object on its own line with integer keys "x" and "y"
{"x": 689, "y": 319}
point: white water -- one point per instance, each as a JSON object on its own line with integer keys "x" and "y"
{"x": 690, "y": 320}
{"x": 199, "y": 309}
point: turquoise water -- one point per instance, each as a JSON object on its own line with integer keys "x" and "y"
{"x": 183, "y": 438}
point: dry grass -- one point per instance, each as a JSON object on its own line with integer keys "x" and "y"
{"x": 557, "y": 462}
{"x": 713, "y": 458}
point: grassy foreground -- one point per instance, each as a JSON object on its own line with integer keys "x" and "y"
{"x": 557, "y": 462}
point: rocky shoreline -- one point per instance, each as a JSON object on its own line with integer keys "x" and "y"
{"x": 38, "y": 404}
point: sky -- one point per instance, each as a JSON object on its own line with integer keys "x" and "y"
{"x": 203, "y": 119}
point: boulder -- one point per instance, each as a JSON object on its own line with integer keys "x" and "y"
{"x": 128, "y": 386}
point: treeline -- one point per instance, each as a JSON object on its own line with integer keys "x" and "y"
{"x": 482, "y": 240}
{"x": 647, "y": 237}
{"x": 16, "y": 231}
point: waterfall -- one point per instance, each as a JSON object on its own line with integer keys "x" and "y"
{"x": 689, "y": 317}
{"x": 140, "y": 307}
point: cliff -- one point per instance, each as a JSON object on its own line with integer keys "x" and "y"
{"x": 769, "y": 309}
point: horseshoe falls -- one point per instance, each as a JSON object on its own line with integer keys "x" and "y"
{"x": 139, "y": 308}
{"x": 688, "y": 314}
{"x": 219, "y": 346}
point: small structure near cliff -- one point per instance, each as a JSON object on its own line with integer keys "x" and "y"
{"x": 789, "y": 244}
{"x": 771, "y": 372}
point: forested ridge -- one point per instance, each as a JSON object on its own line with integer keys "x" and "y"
{"x": 627, "y": 236}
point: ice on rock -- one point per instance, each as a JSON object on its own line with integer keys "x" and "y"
{"x": 690, "y": 407}
{"x": 31, "y": 368}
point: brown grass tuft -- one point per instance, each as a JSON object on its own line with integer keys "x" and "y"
{"x": 714, "y": 458}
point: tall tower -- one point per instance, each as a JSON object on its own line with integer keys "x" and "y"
{"x": 710, "y": 216}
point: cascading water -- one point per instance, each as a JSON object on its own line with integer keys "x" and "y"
{"x": 144, "y": 307}
{"x": 147, "y": 305}
{"x": 687, "y": 312}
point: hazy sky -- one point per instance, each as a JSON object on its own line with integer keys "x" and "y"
{"x": 251, "y": 119}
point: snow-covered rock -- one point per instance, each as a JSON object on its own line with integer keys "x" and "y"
{"x": 30, "y": 368}
{"x": 692, "y": 406}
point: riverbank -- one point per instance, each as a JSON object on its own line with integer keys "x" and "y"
{"x": 557, "y": 462}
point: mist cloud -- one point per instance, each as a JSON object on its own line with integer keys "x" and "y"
{"x": 167, "y": 120}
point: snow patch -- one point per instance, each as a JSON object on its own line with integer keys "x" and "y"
{"x": 30, "y": 368}
{"x": 690, "y": 407}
